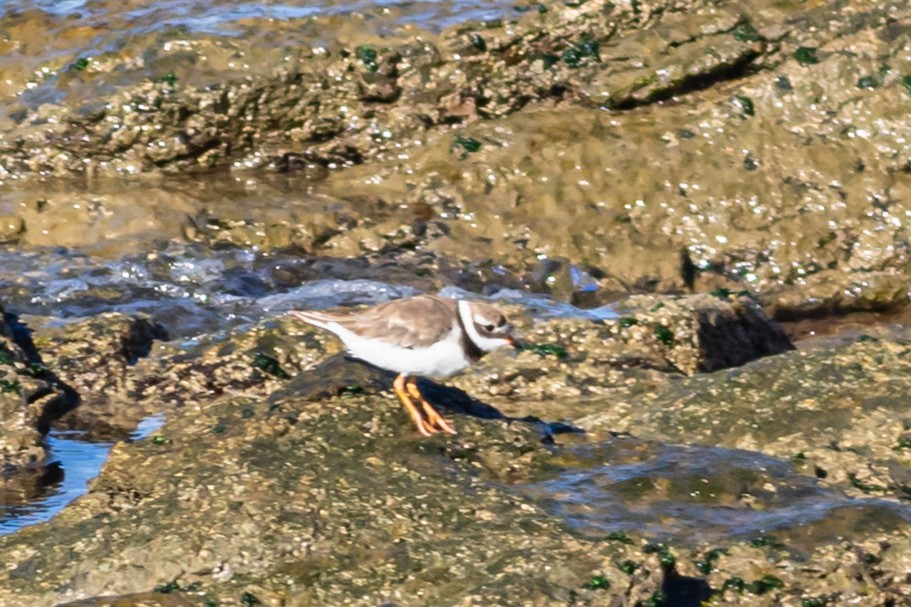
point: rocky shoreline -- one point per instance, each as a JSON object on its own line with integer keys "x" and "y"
{"x": 669, "y": 179}
{"x": 286, "y": 474}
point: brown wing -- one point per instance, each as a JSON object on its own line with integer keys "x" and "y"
{"x": 408, "y": 323}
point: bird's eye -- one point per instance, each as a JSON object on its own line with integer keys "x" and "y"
{"x": 488, "y": 328}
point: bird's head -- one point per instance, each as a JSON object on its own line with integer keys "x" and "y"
{"x": 486, "y": 326}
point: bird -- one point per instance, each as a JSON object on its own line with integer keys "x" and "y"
{"x": 425, "y": 335}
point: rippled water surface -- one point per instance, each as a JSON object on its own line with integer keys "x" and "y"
{"x": 219, "y": 17}
{"x": 191, "y": 291}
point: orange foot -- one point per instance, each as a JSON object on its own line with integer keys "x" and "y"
{"x": 430, "y": 422}
{"x": 436, "y": 420}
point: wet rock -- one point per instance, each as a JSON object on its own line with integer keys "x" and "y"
{"x": 696, "y": 50}
{"x": 336, "y": 376}
{"x": 372, "y": 477}
{"x": 94, "y": 355}
{"x": 23, "y": 485}
{"x": 846, "y": 433}
{"x": 290, "y": 472}
{"x": 20, "y": 440}
{"x": 286, "y": 474}
{"x": 89, "y": 362}
{"x": 282, "y": 234}
{"x": 809, "y": 235}
{"x": 43, "y": 379}
{"x": 565, "y": 183}
{"x": 733, "y": 335}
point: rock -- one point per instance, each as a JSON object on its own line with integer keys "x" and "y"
{"x": 731, "y": 335}
{"x": 91, "y": 357}
{"x": 328, "y": 463}
{"x": 847, "y": 433}
{"x": 813, "y": 234}
{"x": 94, "y": 355}
{"x": 323, "y": 105}
{"x": 28, "y": 399}
{"x": 20, "y": 440}
{"x": 686, "y": 334}
{"x": 672, "y": 449}
{"x": 831, "y": 292}
{"x": 810, "y": 232}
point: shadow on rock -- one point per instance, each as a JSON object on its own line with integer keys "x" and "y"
{"x": 343, "y": 375}
{"x": 683, "y": 591}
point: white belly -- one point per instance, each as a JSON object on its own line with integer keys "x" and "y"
{"x": 442, "y": 359}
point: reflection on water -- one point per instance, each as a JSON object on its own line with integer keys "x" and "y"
{"x": 74, "y": 463}
{"x": 695, "y": 493}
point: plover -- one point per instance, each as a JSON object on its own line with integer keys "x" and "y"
{"x": 423, "y": 335}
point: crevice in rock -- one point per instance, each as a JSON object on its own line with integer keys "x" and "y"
{"x": 682, "y": 591}
{"x": 833, "y": 313}
{"x": 745, "y": 336}
{"x": 742, "y": 67}
{"x": 688, "y": 269}
{"x": 798, "y": 326}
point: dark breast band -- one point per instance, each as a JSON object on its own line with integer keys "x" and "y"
{"x": 469, "y": 348}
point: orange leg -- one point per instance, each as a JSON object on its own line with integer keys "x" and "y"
{"x": 399, "y": 386}
{"x": 434, "y": 419}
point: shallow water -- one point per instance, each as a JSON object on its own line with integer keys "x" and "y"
{"x": 220, "y": 17}
{"x": 191, "y": 291}
{"x": 693, "y": 494}
{"x": 73, "y": 464}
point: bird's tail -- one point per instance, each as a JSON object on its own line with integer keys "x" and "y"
{"x": 317, "y": 319}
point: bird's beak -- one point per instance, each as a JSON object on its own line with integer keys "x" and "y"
{"x": 514, "y": 342}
